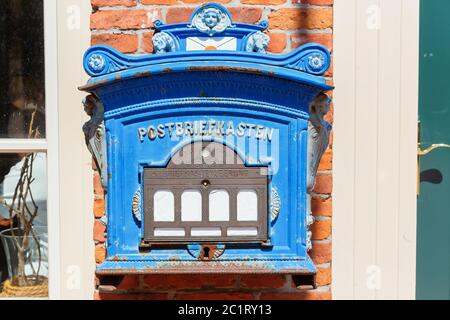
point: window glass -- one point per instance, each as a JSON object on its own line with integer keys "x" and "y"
{"x": 23, "y": 223}
{"x": 22, "y": 76}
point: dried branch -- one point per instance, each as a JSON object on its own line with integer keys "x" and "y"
{"x": 25, "y": 212}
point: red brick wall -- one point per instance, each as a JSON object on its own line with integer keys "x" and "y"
{"x": 127, "y": 25}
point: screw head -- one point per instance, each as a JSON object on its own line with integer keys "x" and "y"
{"x": 205, "y": 183}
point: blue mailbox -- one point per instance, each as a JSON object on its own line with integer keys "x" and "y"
{"x": 208, "y": 149}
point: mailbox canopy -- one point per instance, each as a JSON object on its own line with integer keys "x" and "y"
{"x": 213, "y": 75}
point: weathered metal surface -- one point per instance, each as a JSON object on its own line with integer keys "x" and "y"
{"x": 256, "y": 105}
{"x": 212, "y": 267}
{"x": 282, "y": 66}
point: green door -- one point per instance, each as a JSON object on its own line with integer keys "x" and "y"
{"x": 433, "y": 215}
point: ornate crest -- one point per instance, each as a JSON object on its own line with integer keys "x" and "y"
{"x": 211, "y": 19}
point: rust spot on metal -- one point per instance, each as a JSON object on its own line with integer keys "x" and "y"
{"x": 142, "y": 74}
{"x": 167, "y": 70}
{"x": 210, "y": 267}
{"x": 224, "y": 68}
{"x": 174, "y": 258}
{"x": 225, "y": 267}
{"x": 92, "y": 85}
{"x": 118, "y": 78}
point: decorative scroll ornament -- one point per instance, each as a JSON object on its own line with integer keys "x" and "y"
{"x": 102, "y": 62}
{"x": 313, "y": 59}
{"x": 136, "y": 204}
{"x": 318, "y": 137}
{"x": 163, "y": 43}
{"x": 275, "y": 204}
{"x": 96, "y": 62}
{"x": 316, "y": 61}
{"x": 95, "y": 135}
{"x": 257, "y": 42}
{"x": 211, "y": 19}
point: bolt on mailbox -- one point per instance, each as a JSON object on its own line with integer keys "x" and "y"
{"x": 208, "y": 149}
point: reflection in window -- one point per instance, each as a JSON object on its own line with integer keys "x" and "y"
{"x": 219, "y": 206}
{"x": 22, "y": 76}
{"x": 164, "y": 206}
{"x": 29, "y": 173}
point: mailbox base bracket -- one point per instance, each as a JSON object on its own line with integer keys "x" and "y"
{"x": 304, "y": 280}
{"x": 111, "y": 273}
{"x": 115, "y": 267}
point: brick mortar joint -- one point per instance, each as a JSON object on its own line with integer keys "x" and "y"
{"x": 322, "y": 218}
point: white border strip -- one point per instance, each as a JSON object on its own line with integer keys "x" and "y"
{"x": 51, "y": 90}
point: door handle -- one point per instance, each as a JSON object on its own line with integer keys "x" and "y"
{"x": 421, "y": 152}
{"x": 424, "y": 152}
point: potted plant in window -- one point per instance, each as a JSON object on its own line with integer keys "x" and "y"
{"x": 23, "y": 241}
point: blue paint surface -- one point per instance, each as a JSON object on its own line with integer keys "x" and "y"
{"x": 273, "y": 91}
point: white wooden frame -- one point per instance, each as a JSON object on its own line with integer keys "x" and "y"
{"x": 51, "y": 91}
{"x": 375, "y": 140}
{"x": 77, "y": 261}
{"x": 48, "y": 145}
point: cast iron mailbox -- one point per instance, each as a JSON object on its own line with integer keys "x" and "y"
{"x": 208, "y": 149}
